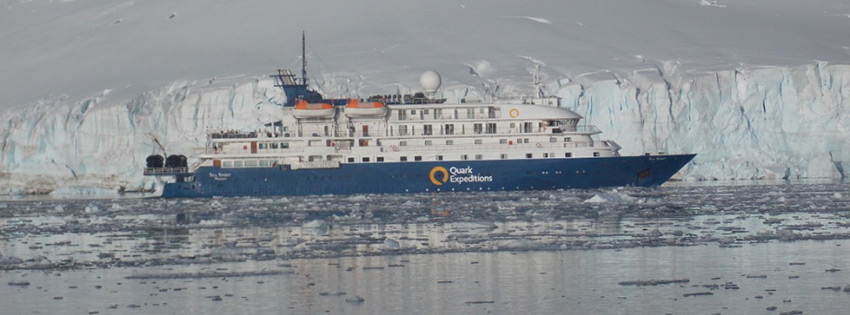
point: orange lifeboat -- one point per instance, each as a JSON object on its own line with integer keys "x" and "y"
{"x": 356, "y": 109}
{"x": 313, "y": 110}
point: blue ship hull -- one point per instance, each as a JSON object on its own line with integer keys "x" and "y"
{"x": 438, "y": 176}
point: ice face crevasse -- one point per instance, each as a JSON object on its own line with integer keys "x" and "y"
{"x": 748, "y": 123}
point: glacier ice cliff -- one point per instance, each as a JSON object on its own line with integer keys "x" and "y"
{"x": 747, "y": 123}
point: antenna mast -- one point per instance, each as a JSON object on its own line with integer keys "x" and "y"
{"x": 303, "y": 59}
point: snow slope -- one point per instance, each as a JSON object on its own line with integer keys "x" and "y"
{"x": 758, "y": 88}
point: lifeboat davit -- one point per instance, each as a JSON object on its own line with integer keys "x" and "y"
{"x": 313, "y": 110}
{"x": 356, "y": 109}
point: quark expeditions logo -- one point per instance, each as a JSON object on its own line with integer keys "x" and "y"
{"x": 440, "y": 175}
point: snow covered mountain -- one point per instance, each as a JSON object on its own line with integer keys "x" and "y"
{"x": 757, "y": 88}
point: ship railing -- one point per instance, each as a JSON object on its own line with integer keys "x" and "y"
{"x": 156, "y": 171}
{"x": 233, "y": 135}
{"x": 579, "y": 129}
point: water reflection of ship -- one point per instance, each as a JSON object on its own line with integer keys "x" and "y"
{"x": 438, "y": 211}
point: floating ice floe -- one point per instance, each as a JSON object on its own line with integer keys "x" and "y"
{"x": 614, "y": 196}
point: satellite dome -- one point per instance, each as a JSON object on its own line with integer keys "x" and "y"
{"x": 430, "y": 81}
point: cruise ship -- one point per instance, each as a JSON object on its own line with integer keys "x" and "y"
{"x": 408, "y": 144}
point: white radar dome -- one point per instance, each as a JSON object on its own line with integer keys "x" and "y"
{"x": 430, "y": 81}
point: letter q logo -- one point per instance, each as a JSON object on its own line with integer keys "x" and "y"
{"x": 435, "y": 171}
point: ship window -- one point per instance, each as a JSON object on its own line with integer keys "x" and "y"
{"x": 504, "y": 156}
{"x": 525, "y": 140}
{"x": 428, "y": 142}
{"x": 274, "y": 145}
{"x": 519, "y": 140}
{"x": 237, "y": 163}
{"x": 491, "y": 128}
{"x": 529, "y": 155}
{"x": 379, "y": 159}
{"x": 450, "y": 129}
{"x": 479, "y": 156}
{"x": 553, "y": 140}
{"x": 351, "y": 160}
{"x": 403, "y": 159}
{"x": 261, "y": 146}
{"x": 478, "y": 128}
{"x": 595, "y": 153}
{"x": 470, "y": 112}
{"x": 464, "y": 157}
{"x": 264, "y": 163}
{"x": 478, "y": 141}
{"x": 427, "y": 130}
{"x": 365, "y": 159}
{"x": 568, "y": 139}
{"x": 417, "y": 158}
{"x": 439, "y": 158}
{"x": 503, "y": 141}
{"x": 513, "y": 125}
{"x": 568, "y": 154}
{"x": 450, "y": 142}
{"x": 402, "y": 143}
{"x": 284, "y": 145}
{"x": 425, "y": 111}
{"x": 226, "y": 164}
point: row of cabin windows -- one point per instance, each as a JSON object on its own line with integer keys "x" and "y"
{"x": 248, "y": 163}
{"x": 465, "y": 157}
{"x": 488, "y": 112}
{"x": 273, "y": 145}
{"x": 448, "y": 129}
{"x": 268, "y": 163}
{"x": 404, "y": 143}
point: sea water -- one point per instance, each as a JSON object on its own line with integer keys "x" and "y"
{"x": 680, "y": 249}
